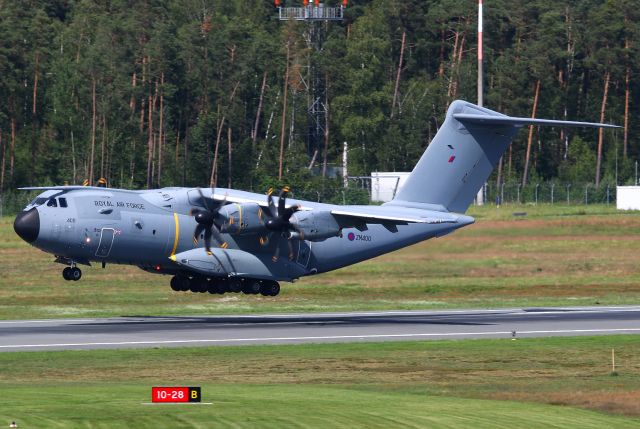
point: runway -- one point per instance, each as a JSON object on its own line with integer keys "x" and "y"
{"x": 183, "y": 331}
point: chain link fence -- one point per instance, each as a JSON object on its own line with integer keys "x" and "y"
{"x": 532, "y": 193}
{"x": 359, "y": 192}
{"x": 550, "y": 193}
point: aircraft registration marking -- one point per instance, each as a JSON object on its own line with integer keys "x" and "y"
{"x": 358, "y": 237}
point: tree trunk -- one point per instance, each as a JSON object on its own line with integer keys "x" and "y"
{"x": 230, "y": 168}
{"x": 326, "y": 127}
{"x": 103, "y": 144}
{"x": 254, "y": 132}
{"x": 161, "y": 129}
{"x": 150, "y": 142}
{"x": 93, "y": 130}
{"x": 603, "y": 108}
{"x": 442, "y": 43}
{"x": 214, "y": 167}
{"x": 36, "y": 74}
{"x": 529, "y": 140}
{"x": 3, "y": 165}
{"x": 626, "y": 114}
{"x": 454, "y": 56}
{"x": 73, "y": 159}
{"x": 395, "y": 91}
{"x": 284, "y": 115}
{"x": 142, "y": 107}
{"x": 132, "y": 100}
{"x": 12, "y": 152}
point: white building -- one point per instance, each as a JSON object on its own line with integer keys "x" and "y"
{"x": 628, "y": 197}
{"x": 385, "y": 185}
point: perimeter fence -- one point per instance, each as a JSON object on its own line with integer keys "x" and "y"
{"x": 532, "y": 193}
{"x": 359, "y": 192}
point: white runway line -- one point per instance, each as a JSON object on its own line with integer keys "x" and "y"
{"x": 327, "y": 337}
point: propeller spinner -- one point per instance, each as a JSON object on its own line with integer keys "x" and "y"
{"x": 278, "y": 220}
{"x": 206, "y": 219}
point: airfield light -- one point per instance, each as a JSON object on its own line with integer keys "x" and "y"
{"x": 88, "y": 239}
{"x": 277, "y": 3}
{"x": 157, "y": 267}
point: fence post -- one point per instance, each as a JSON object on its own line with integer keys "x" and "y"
{"x": 537, "y": 186}
{"x": 518, "y": 194}
{"x": 586, "y": 194}
{"x": 502, "y": 193}
{"x": 607, "y": 194}
{"x": 568, "y": 188}
{"x": 553, "y": 185}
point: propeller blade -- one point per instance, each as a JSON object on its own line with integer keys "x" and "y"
{"x": 289, "y": 211}
{"x": 276, "y": 255}
{"x": 197, "y": 232}
{"x": 290, "y": 250}
{"x": 272, "y": 207}
{"x": 282, "y": 199}
{"x": 207, "y": 239}
{"x": 218, "y": 236}
{"x": 204, "y": 200}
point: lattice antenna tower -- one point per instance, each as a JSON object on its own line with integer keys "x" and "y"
{"x": 316, "y": 15}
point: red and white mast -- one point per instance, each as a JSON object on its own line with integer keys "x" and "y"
{"x": 480, "y": 196}
{"x": 480, "y": 81}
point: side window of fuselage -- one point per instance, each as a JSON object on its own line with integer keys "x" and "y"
{"x": 52, "y": 203}
{"x": 63, "y": 202}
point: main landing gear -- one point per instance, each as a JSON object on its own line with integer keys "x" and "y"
{"x": 196, "y": 284}
{"x": 72, "y": 273}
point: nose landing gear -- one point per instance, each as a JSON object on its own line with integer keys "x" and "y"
{"x": 72, "y": 273}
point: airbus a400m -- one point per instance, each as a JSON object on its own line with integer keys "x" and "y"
{"x": 225, "y": 240}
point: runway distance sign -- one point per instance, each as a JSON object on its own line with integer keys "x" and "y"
{"x": 175, "y": 394}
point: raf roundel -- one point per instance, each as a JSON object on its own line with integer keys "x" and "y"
{"x": 351, "y": 236}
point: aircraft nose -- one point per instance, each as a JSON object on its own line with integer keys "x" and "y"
{"x": 27, "y": 225}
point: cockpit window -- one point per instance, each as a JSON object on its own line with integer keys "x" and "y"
{"x": 63, "y": 202}
{"x": 38, "y": 201}
{"x": 52, "y": 203}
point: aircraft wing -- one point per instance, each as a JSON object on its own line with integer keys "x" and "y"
{"x": 73, "y": 188}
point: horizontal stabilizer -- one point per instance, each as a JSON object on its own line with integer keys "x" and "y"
{"x": 367, "y": 216}
{"x": 519, "y": 122}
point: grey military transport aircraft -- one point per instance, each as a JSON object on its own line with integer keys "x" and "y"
{"x": 224, "y": 240}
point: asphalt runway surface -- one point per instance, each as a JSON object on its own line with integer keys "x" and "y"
{"x": 182, "y": 331}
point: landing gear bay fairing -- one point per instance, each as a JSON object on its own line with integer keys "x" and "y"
{"x": 225, "y": 240}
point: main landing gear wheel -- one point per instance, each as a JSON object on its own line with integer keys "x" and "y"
{"x": 251, "y": 287}
{"x": 180, "y": 283}
{"x": 269, "y": 288}
{"x": 72, "y": 273}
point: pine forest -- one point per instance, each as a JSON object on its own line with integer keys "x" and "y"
{"x": 216, "y": 92}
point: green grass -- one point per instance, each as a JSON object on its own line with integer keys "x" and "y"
{"x": 553, "y": 256}
{"x": 556, "y": 382}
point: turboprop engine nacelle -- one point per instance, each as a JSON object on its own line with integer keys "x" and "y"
{"x": 314, "y": 225}
{"x": 245, "y": 218}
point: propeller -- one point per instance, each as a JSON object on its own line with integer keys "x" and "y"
{"x": 206, "y": 219}
{"x": 277, "y": 220}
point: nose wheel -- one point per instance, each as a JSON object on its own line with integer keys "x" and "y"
{"x": 72, "y": 273}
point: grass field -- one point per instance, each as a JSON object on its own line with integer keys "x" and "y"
{"x": 557, "y": 382}
{"x": 580, "y": 255}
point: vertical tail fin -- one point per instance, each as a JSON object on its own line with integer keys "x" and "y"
{"x": 462, "y": 155}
